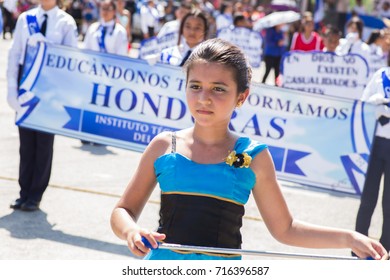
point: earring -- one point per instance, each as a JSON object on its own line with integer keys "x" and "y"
{"x": 239, "y": 104}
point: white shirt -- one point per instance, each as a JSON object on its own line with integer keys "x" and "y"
{"x": 115, "y": 40}
{"x": 10, "y": 5}
{"x": 383, "y": 13}
{"x": 61, "y": 29}
{"x": 174, "y": 55}
{"x": 223, "y": 20}
{"x": 372, "y": 91}
{"x": 149, "y": 18}
{"x": 358, "y": 47}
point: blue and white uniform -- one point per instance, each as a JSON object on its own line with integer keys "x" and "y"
{"x": 377, "y": 92}
{"x": 61, "y": 29}
{"x": 109, "y": 37}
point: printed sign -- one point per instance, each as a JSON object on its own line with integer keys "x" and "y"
{"x": 153, "y": 46}
{"x": 250, "y": 42}
{"x": 325, "y": 73}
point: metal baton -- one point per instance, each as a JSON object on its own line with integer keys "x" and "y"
{"x": 201, "y": 249}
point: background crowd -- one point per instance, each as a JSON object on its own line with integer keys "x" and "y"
{"x": 143, "y": 19}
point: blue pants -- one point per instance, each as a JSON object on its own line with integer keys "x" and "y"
{"x": 379, "y": 164}
{"x": 36, "y": 154}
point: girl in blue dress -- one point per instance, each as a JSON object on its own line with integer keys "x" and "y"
{"x": 207, "y": 172}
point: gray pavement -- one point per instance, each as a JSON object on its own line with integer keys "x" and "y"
{"x": 86, "y": 182}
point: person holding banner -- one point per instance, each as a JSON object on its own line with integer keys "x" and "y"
{"x": 107, "y": 35}
{"x": 173, "y": 26}
{"x": 207, "y": 173}
{"x": 193, "y": 30}
{"x": 225, "y": 17}
{"x": 150, "y": 18}
{"x": 123, "y": 17}
{"x": 353, "y": 43}
{"x": 331, "y": 38}
{"x": 48, "y": 23}
{"x": 377, "y": 92}
{"x": 378, "y": 57}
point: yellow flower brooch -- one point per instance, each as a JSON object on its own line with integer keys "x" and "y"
{"x": 238, "y": 160}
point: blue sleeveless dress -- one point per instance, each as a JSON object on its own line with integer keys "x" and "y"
{"x": 203, "y": 204}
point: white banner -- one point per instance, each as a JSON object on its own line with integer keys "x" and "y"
{"x": 325, "y": 73}
{"x": 316, "y": 140}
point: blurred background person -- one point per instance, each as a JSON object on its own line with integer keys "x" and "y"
{"x": 47, "y": 22}
{"x": 359, "y": 8}
{"x": 377, "y": 92}
{"x": 150, "y": 18}
{"x": 174, "y": 25}
{"x": 107, "y": 35}
{"x": 353, "y": 43}
{"x": 10, "y": 15}
{"x": 225, "y": 17}
{"x": 90, "y": 13}
{"x": 342, "y": 8}
{"x": 331, "y": 38}
{"x": 193, "y": 30}
{"x": 75, "y": 9}
{"x": 384, "y": 10}
{"x": 376, "y": 42}
{"x": 306, "y": 39}
{"x": 241, "y": 21}
{"x": 274, "y": 48}
{"x": 123, "y": 17}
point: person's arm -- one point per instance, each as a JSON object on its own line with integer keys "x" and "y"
{"x": 70, "y": 33}
{"x": 14, "y": 56}
{"x": 127, "y": 211}
{"x": 286, "y": 229}
{"x": 373, "y": 92}
{"x": 294, "y": 41}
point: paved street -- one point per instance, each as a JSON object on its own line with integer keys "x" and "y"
{"x": 86, "y": 182}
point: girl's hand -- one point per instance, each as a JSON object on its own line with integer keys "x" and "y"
{"x": 365, "y": 247}
{"x": 135, "y": 244}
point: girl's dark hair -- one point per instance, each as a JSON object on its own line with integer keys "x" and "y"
{"x": 223, "y": 7}
{"x": 375, "y": 35}
{"x": 113, "y": 4}
{"x": 331, "y": 30}
{"x": 60, "y": 4}
{"x": 224, "y": 53}
{"x": 359, "y": 24}
{"x": 196, "y": 14}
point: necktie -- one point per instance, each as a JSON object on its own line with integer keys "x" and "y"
{"x": 44, "y": 25}
{"x": 185, "y": 58}
{"x": 104, "y": 31}
{"x": 383, "y": 120}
